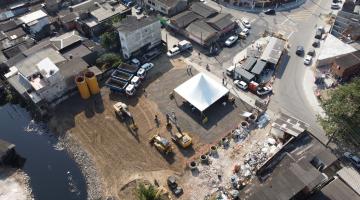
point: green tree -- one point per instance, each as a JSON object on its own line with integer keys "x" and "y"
{"x": 109, "y": 60}
{"x": 147, "y": 192}
{"x": 109, "y": 40}
{"x": 342, "y": 107}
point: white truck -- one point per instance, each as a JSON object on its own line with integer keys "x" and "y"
{"x": 181, "y": 46}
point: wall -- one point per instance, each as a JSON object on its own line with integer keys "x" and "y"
{"x": 148, "y": 35}
{"x": 56, "y": 87}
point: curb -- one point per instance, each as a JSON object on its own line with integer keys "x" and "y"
{"x": 287, "y": 7}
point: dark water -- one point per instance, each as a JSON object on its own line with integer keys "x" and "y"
{"x": 53, "y": 174}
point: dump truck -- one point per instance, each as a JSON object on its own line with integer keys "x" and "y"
{"x": 128, "y": 68}
{"x": 162, "y": 144}
{"x": 183, "y": 139}
{"x": 121, "y": 75}
{"x": 117, "y": 85}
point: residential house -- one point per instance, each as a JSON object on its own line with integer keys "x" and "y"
{"x": 167, "y": 7}
{"x": 68, "y": 20}
{"x": 202, "y": 33}
{"x": 94, "y": 24}
{"x": 183, "y": 19}
{"x": 223, "y": 23}
{"x": 203, "y": 10}
{"x": 35, "y": 22}
{"x": 43, "y": 77}
{"x": 138, "y": 34}
{"x": 346, "y": 66}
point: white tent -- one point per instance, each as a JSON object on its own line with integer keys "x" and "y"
{"x": 201, "y": 91}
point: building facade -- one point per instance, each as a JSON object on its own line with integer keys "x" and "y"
{"x": 167, "y": 7}
{"x": 35, "y": 21}
{"x": 138, "y": 34}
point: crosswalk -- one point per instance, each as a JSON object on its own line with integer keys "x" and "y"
{"x": 303, "y": 15}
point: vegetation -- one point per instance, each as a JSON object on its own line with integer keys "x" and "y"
{"x": 342, "y": 120}
{"x": 109, "y": 40}
{"x": 147, "y": 192}
{"x": 108, "y": 60}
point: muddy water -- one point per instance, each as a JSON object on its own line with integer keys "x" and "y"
{"x": 53, "y": 174}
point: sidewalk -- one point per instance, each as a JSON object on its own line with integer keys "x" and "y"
{"x": 286, "y": 7}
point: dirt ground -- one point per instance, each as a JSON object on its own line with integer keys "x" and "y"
{"x": 122, "y": 156}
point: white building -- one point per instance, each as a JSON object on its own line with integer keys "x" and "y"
{"x": 138, "y": 34}
{"x": 35, "y": 21}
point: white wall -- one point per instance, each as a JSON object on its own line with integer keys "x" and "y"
{"x": 131, "y": 42}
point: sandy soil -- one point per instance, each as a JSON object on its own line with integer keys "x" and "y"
{"x": 119, "y": 155}
{"x": 14, "y": 185}
{"x": 114, "y": 154}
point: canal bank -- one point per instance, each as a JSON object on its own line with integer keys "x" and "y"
{"x": 53, "y": 173}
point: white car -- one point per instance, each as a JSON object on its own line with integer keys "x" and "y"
{"x": 307, "y": 59}
{"x": 246, "y": 31}
{"x": 147, "y": 66}
{"x": 172, "y": 52}
{"x": 246, "y": 23}
{"x": 141, "y": 73}
{"x": 241, "y": 84}
{"x": 335, "y": 6}
{"x": 264, "y": 90}
{"x": 231, "y": 40}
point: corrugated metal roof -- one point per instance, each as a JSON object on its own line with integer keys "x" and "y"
{"x": 273, "y": 50}
{"x": 32, "y": 16}
{"x": 244, "y": 74}
{"x": 221, "y": 21}
{"x": 202, "y": 9}
{"x": 249, "y": 63}
{"x": 351, "y": 177}
{"x": 259, "y": 67}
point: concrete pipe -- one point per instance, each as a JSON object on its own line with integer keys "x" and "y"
{"x": 252, "y": 118}
{"x": 225, "y": 142}
{"x": 244, "y": 124}
{"x": 193, "y": 165}
{"x": 213, "y": 150}
{"x": 204, "y": 159}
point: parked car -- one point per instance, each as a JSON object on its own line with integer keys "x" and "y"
{"x": 246, "y": 31}
{"x": 231, "y": 40}
{"x": 318, "y": 34}
{"x": 230, "y": 70}
{"x": 246, "y": 22}
{"x": 299, "y": 50}
{"x": 321, "y": 28}
{"x": 135, "y": 62}
{"x": 270, "y": 12}
{"x": 311, "y": 52}
{"x": 173, "y": 51}
{"x": 264, "y": 90}
{"x": 335, "y": 6}
{"x": 242, "y": 35}
{"x": 138, "y": 10}
{"x": 355, "y": 160}
{"x": 173, "y": 185}
{"x": 147, "y": 66}
{"x": 316, "y": 43}
{"x": 240, "y": 84}
{"x": 307, "y": 59}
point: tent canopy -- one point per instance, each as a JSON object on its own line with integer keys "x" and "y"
{"x": 201, "y": 91}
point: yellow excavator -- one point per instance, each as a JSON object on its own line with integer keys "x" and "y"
{"x": 183, "y": 139}
{"x": 162, "y": 144}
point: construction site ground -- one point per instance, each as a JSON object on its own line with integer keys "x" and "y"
{"x": 120, "y": 155}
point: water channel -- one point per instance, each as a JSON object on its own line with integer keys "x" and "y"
{"x": 53, "y": 174}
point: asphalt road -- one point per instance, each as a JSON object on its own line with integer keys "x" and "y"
{"x": 289, "y": 87}
{"x": 291, "y": 93}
